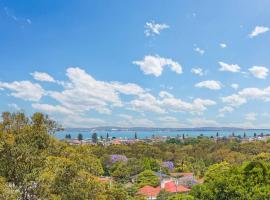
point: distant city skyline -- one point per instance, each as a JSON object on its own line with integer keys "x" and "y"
{"x": 137, "y": 64}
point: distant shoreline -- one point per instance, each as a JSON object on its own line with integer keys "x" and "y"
{"x": 132, "y": 129}
{"x": 143, "y": 134}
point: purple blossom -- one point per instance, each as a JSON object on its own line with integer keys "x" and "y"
{"x": 118, "y": 158}
{"x": 168, "y": 164}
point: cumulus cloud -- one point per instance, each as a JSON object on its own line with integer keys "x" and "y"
{"x": 235, "y": 86}
{"x": 47, "y": 108}
{"x": 41, "y": 76}
{"x": 168, "y": 103}
{"x": 229, "y": 67}
{"x": 224, "y": 110}
{"x": 84, "y": 93}
{"x": 164, "y": 94}
{"x": 152, "y": 28}
{"x": 223, "y": 45}
{"x": 198, "y": 106}
{"x": 197, "y": 71}
{"x": 154, "y": 65}
{"x": 256, "y": 93}
{"x": 234, "y": 100}
{"x": 247, "y": 93}
{"x": 199, "y": 50}
{"x": 210, "y": 84}
{"x": 258, "y": 30}
{"x": 146, "y": 102}
{"x": 260, "y": 72}
{"x": 25, "y": 90}
{"x": 128, "y": 89}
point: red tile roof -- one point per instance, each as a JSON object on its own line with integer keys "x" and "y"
{"x": 182, "y": 188}
{"x": 172, "y": 187}
{"x": 116, "y": 141}
{"x": 149, "y": 191}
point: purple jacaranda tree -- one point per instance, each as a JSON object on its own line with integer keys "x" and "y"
{"x": 168, "y": 164}
{"x": 118, "y": 158}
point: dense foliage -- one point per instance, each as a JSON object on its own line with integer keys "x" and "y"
{"x": 34, "y": 165}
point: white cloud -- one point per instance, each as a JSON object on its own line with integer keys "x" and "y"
{"x": 224, "y": 110}
{"x": 199, "y": 50}
{"x": 250, "y": 116}
{"x": 247, "y": 93}
{"x": 24, "y": 90}
{"x": 234, "y": 100}
{"x": 84, "y": 93}
{"x": 256, "y": 93}
{"x": 168, "y": 103}
{"x": 235, "y": 86}
{"x": 223, "y": 45}
{"x": 258, "y": 30}
{"x": 146, "y": 102}
{"x": 210, "y": 84}
{"x": 128, "y": 89}
{"x": 229, "y": 67}
{"x": 260, "y": 72}
{"x": 152, "y": 28}
{"x": 164, "y": 94}
{"x": 47, "y": 108}
{"x": 198, "y": 106}
{"x": 41, "y": 76}
{"x": 197, "y": 71}
{"x": 154, "y": 65}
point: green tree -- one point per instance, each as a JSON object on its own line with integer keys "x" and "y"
{"x": 147, "y": 177}
{"x": 23, "y": 142}
{"x": 80, "y": 137}
{"x": 94, "y": 138}
{"x": 68, "y": 136}
{"x": 6, "y": 192}
{"x": 63, "y": 178}
{"x": 181, "y": 197}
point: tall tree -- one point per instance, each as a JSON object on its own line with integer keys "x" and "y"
{"x": 94, "y": 138}
{"x": 80, "y": 137}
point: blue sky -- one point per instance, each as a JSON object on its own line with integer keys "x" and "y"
{"x": 137, "y": 63}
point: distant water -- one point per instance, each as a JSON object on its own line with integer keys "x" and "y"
{"x": 149, "y": 134}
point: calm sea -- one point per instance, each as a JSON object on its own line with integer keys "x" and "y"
{"x": 149, "y": 134}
